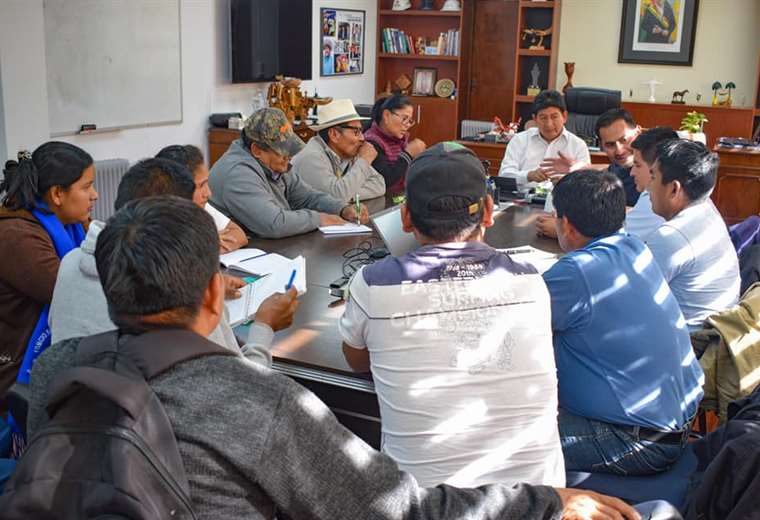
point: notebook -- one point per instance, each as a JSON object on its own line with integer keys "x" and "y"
{"x": 244, "y": 308}
{"x": 541, "y": 260}
{"x": 254, "y": 261}
{"x": 345, "y": 229}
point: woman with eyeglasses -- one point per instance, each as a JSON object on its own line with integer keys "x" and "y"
{"x": 392, "y": 117}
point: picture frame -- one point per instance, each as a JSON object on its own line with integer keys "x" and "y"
{"x": 658, "y": 32}
{"x": 342, "y": 34}
{"x": 424, "y": 80}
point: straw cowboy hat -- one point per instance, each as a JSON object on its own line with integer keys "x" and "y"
{"x": 335, "y": 113}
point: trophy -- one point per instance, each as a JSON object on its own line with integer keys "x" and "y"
{"x": 533, "y": 88}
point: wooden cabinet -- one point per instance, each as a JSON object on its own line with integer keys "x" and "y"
{"x": 737, "y": 190}
{"x": 436, "y": 119}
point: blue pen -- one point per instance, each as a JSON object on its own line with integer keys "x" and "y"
{"x": 290, "y": 282}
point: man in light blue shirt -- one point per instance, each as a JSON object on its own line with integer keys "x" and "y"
{"x": 629, "y": 383}
{"x": 640, "y": 219}
{"x": 692, "y": 248}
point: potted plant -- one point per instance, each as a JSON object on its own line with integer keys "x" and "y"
{"x": 692, "y": 127}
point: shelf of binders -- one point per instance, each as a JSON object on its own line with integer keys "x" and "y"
{"x": 418, "y": 12}
{"x": 433, "y": 57}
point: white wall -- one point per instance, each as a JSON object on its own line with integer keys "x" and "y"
{"x": 206, "y": 86}
{"x": 726, "y": 48}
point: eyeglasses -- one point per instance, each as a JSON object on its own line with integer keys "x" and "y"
{"x": 357, "y": 130}
{"x": 405, "y": 120}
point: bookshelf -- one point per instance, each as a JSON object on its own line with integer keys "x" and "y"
{"x": 437, "y": 118}
{"x": 756, "y": 119}
{"x": 534, "y": 15}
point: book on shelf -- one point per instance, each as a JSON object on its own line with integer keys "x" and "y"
{"x": 396, "y": 41}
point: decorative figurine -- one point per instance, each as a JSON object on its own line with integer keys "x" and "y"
{"x": 403, "y": 83}
{"x": 401, "y": 5}
{"x": 652, "y": 84}
{"x": 537, "y": 36}
{"x": 451, "y": 5}
{"x": 678, "y": 97}
{"x": 419, "y": 45}
{"x": 533, "y": 88}
{"x": 699, "y": 97}
{"x": 427, "y": 5}
{"x": 722, "y": 98}
{"x": 569, "y": 71}
{"x": 286, "y": 95}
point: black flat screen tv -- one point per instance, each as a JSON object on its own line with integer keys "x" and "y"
{"x": 270, "y": 37}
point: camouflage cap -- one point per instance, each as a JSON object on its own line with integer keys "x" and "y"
{"x": 270, "y": 127}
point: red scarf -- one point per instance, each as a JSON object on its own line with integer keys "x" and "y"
{"x": 392, "y": 146}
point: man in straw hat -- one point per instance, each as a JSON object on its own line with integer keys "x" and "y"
{"x": 252, "y": 185}
{"x": 337, "y": 161}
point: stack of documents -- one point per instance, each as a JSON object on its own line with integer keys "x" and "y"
{"x": 541, "y": 260}
{"x": 345, "y": 229}
{"x": 243, "y": 309}
{"x": 254, "y": 261}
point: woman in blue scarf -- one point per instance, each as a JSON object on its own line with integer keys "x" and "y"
{"x": 47, "y": 197}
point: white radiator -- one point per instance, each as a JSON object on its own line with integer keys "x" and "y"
{"x": 108, "y": 174}
{"x": 471, "y": 127}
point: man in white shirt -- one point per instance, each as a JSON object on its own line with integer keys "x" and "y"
{"x": 458, "y": 338}
{"x": 640, "y": 219}
{"x": 527, "y": 155}
{"x": 692, "y": 248}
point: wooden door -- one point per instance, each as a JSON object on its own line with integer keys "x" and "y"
{"x": 492, "y": 61}
{"x": 737, "y": 194}
{"x": 436, "y": 119}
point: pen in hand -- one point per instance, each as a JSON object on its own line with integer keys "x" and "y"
{"x": 290, "y": 282}
{"x": 358, "y": 208}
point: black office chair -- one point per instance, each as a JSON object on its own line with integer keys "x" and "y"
{"x": 584, "y": 106}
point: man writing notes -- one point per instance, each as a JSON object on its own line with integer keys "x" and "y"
{"x": 252, "y": 184}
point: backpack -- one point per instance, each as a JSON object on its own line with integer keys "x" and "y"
{"x": 108, "y": 450}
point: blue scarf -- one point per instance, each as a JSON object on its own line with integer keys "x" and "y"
{"x": 65, "y": 238}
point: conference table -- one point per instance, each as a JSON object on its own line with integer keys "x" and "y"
{"x": 310, "y": 350}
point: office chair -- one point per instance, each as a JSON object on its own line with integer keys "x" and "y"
{"x": 584, "y": 106}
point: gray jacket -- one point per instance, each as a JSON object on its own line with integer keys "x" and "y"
{"x": 252, "y": 440}
{"x": 79, "y": 307}
{"x": 267, "y": 204}
{"x": 323, "y": 169}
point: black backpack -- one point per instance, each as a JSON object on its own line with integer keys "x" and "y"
{"x": 108, "y": 450}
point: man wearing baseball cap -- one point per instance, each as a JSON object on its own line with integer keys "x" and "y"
{"x": 337, "y": 161}
{"x": 251, "y": 184}
{"x": 458, "y": 338}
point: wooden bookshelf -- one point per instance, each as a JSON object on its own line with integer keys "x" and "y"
{"x": 437, "y": 118}
{"x": 756, "y": 119}
{"x": 534, "y": 15}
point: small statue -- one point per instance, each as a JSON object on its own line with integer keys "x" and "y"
{"x": 387, "y": 91}
{"x": 451, "y": 5}
{"x": 569, "y": 70}
{"x": 401, "y": 5}
{"x": 403, "y": 83}
{"x": 652, "y": 84}
{"x": 419, "y": 45}
{"x": 537, "y": 36}
{"x": 535, "y": 72}
{"x": 722, "y": 98}
{"x": 678, "y": 97}
{"x": 286, "y": 95}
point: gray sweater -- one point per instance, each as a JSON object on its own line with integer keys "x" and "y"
{"x": 321, "y": 168}
{"x": 79, "y": 307}
{"x": 252, "y": 440}
{"x": 267, "y": 204}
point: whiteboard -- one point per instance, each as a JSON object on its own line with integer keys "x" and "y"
{"x": 112, "y": 63}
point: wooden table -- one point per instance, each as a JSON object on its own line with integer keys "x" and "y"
{"x": 310, "y": 350}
